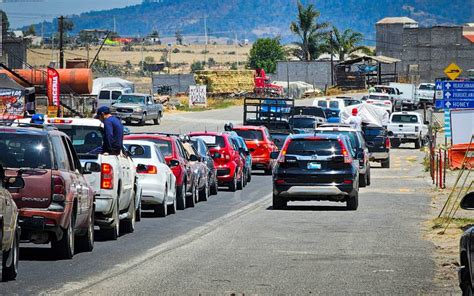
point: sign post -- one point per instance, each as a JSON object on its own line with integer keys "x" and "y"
{"x": 197, "y": 95}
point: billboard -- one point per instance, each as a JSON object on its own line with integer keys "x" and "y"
{"x": 11, "y": 103}
{"x": 197, "y": 95}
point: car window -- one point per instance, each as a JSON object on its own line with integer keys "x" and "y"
{"x": 159, "y": 155}
{"x": 322, "y": 104}
{"x": 351, "y": 135}
{"x": 131, "y": 99}
{"x": 426, "y": 87}
{"x": 302, "y": 122}
{"x": 334, "y": 104}
{"x": 404, "y": 118}
{"x": 313, "y": 146}
{"x": 374, "y": 132}
{"x": 181, "y": 150}
{"x": 69, "y": 150}
{"x": 85, "y": 139}
{"x": 250, "y": 134}
{"x": 163, "y": 145}
{"x": 146, "y": 153}
{"x": 25, "y": 150}
{"x": 104, "y": 95}
{"x": 212, "y": 141}
{"x": 116, "y": 94}
{"x": 62, "y": 160}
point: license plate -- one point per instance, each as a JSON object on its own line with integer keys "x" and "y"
{"x": 314, "y": 166}
{"x": 400, "y": 136}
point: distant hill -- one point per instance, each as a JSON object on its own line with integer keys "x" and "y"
{"x": 251, "y": 19}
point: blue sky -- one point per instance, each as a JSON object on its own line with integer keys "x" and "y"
{"x": 22, "y": 13}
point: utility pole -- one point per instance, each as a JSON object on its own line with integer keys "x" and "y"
{"x": 87, "y": 48}
{"x": 115, "y": 28}
{"x": 61, "y": 33}
{"x": 332, "y": 58}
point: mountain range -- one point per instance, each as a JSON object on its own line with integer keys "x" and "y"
{"x": 250, "y": 19}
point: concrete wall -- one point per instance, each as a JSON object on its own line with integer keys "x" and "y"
{"x": 317, "y": 73}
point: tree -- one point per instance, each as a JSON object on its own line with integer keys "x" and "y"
{"x": 345, "y": 44}
{"x": 309, "y": 31}
{"x": 30, "y": 31}
{"x": 5, "y": 22}
{"x": 179, "y": 38}
{"x": 197, "y": 66}
{"x": 265, "y": 52}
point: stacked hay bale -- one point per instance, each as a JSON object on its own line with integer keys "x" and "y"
{"x": 226, "y": 81}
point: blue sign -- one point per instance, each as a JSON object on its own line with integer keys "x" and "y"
{"x": 455, "y": 85}
{"x": 454, "y": 104}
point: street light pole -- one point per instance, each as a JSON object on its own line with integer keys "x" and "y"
{"x": 332, "y": 57}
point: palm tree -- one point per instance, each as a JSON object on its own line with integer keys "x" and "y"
{"x": 345, "y": 44}
{"x": 309, "y": 32}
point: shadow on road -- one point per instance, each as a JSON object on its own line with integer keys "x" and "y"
{"x": 37, "y": 254}
{"x": 311, "y": 208}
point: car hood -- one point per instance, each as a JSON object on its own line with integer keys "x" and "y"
{"x": 127, "y": 105}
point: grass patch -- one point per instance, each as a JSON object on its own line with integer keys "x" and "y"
{"x": 212, "y": 103}
{"x": 459, "y": 222}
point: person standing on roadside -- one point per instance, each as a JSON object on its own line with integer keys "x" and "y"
{"x": 113, "y": 131}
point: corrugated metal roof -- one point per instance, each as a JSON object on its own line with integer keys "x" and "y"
{"x": 364, "y": 57}
{"x": 397, "y": 20}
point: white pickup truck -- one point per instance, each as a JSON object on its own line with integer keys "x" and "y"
{"x": 407, "y": 127}
{"x": 113, "y": 178}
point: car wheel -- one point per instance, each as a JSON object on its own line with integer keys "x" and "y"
{"x": 157, "y": 120}
{"x": 395, "y": 143}
{"x": 172, "y": 208}
{"x": 191, "y": 199}
{"x": 353, "y": 202}
{"x": 368, "y": 178}
{"x": 465, "y": 284}
{"x": 64, "y": 248}
{"x": 138, "y": 211}
{"x": 10, "y": 260}
{"x": 268, "y": 171}
{"x": 204, "y": 193}
{"x": 85, "y": 243}
{"x": 141, "y": 122}
{"x": 418, "y": 143}
{"x": 129, "y": 223}
{"x": 127, "y": 122}
{"x": 249, "y": 177}
{"x": 161, "y": 210}
{"x": 215, "y": 188}
{"x": 279, "y": 202}
{"x": 181, "y": 196}
{"x": 114, "y": 232}
{"x": 363, "y": 180}
{"x": 233, "y": 184}
{"x": 386, "y": 163}
{"x": 240, "y": 183}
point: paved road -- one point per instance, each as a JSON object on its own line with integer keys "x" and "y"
{"x": 235, "y": 242}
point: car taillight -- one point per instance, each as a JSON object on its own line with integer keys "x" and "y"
{"x": 369, "y": 101}
{"x": 150, "y": 169}
{"x": 387, "y": 143}
{"x": 387, "y": 103}
{"x": 281, "y": 157}
{"x": 59, "y": 190}
{"x": 107, "y": 176}
{"x": 345, "y": 153}
{"x": 347, "y": 182}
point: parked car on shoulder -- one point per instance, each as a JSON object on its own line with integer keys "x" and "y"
{"x": 316, "y": 167}
{"x": 9, "y": 228}
{"x": 226, "y": 156}
{"x": 378, "y": 144}
{"x": 155, "y": 178}
{"x": 137, "y": 107}
{"x": 260, "y": 145}
{"x": 112, "y": 177}
{"x": 56, "y": 203}
{"x": 206, "y": 157}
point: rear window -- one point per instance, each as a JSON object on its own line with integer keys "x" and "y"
{"x": 163, "y": 145}
{"x": 250, "y": 134}
{"x": 352, "y": 136}
{"x": 401, "y": 118}
{"x": 311, "y": 147}
{"x": 104, "y": 95}
{"x": 134, "y": 149}
{"x": 426, "y": 87}
{"x": 302, "y": 122}
{"x": 279, "y": 139}
{"x": 85, "y": 139}
{"x": 212, "y": 141}
{"x": 322, "y": 104}
{"x": 24, "y": 151}
{"x": 378, "y": 98}
{"x": 374, "y": 132}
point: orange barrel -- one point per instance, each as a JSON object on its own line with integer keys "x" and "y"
{"x": 72, "y": 80}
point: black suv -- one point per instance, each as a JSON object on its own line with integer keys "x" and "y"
{"x": 378, "y": 143}
{"x": 316, "y": 167}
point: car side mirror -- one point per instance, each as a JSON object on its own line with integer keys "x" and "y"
{"x": 274, "y": 154}
{"x": 216, "y": 155}
{"x": 174, "y": 163}
{"x": 467, "y": 202}
{"x": 91, "y": 167}
{"x": 194, "y": 157}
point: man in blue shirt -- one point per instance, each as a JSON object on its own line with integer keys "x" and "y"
{"x": 113, "y": 131}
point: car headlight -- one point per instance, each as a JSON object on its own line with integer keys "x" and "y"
{"x": 137, "y": 109}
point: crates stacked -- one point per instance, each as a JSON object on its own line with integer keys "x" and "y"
{"x": 226, "y": 81}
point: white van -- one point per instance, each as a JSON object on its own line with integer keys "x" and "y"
{"x": 107, "y": 96}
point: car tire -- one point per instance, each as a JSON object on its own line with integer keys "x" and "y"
{"x": 465, "y": 284}
{"x": 249, "y": 178}
{"x": 157, "y": 120}
{"x": 181, "y": 196}
{"x": 278, "y": 202}
{"x": 215, "y": 188}
{"x": 191, "y": 199}
{"x": 161, "y": 210}
{"x": 268, "y": 171}
{"x": 129, "y": 223}
{"x": 128, "y": 122}
{"x": 141, "y": 122}
{"x": 240, "y": 183}
{"x": 363, "y": 180}
{"x": 10, "y": 260}
{"x": 418, "y": 143}
{"x": 233, "y": 184}
{"x": 204, "y": 193}
{"x": 113, "y": 233}
{"x": 138, "y": 211}
{"x": 353, "y": 202}
{"x": 368, "y": 178}
{"x": 64, "y": 248}
{"x": 385, "y": 163}
{"x": 172, "y": 207}
{"x": 85, "y": 243}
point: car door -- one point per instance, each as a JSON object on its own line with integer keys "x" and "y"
{"x": 184, "y": 159}
{"x": 127, "y": 173}
{"x": 151, "y": 107}
{"x": 167, "y": 176}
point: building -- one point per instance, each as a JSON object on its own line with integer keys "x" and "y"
{"x": 425, "y": 51}
{"x": 14, "y": 52}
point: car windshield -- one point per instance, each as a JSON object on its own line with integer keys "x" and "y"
{"x": 302, "y": 122}
{"x": 212, "y": 141}
{"x": 131, "y": 99}
{"x": 313, "y": 146}
{"x": 250, "y": 135}
{"x": 350, "y": 102}
{"x": 139, "y": 151}
{"x": 352, "y": 136}
{"x": 378, "y": 98}
{"x": 426, "y": 87}
{"x": 404, "y": 118}
{"x": 25, "y": 151}
{"x": 85, "y": 139}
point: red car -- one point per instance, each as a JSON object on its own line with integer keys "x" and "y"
{"x": 260, "y": 144}
{"x": 227, "y": 158}
{"x": 177, "y": 159}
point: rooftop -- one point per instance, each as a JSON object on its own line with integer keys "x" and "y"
{"x": 397, "y": 20}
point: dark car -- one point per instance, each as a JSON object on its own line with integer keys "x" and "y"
{"x": 246, "y": 157}
{"x": 378, "y": 143}
{"x": 304, "y": 123}
{"x": 316, "y": 167}
{"x": 9, "y": 228}
{"x": 279, "y": 137}
{"x": 466, "y": 249}
{"x": 200, "y": 176}
{"x": 206, "y": 158}
{"x": 56, "y": 203}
